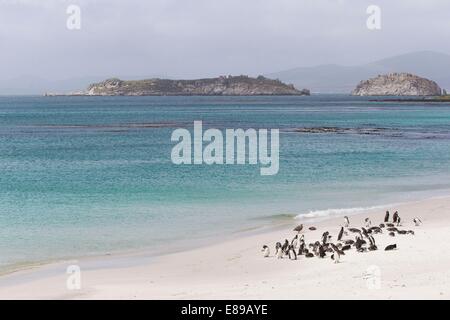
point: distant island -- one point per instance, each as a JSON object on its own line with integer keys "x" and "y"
{"x": 221, "y": 86}
{"x": 398, "y": 84}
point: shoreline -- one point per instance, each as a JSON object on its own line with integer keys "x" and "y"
{"x": 192, "y": 273}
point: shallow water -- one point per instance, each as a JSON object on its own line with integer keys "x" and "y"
{"x": 91, "y": 175}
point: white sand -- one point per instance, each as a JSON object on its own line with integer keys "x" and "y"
{"x": 236, "y": 269}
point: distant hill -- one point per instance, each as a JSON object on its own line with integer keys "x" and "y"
{"x": 343, "y": 79}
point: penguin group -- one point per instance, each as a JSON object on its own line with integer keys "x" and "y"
{"x": 360, "y": 239}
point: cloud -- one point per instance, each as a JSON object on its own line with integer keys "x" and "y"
{"x": 193, "y": 38}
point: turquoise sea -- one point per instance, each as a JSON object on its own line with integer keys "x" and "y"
{"x": 93, "y": 175}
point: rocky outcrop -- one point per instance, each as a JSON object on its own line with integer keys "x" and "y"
{"x": 397, "y": 84}
{"x": 232, "y": 86}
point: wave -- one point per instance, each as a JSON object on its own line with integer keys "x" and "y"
{"x": 337, "y": 212}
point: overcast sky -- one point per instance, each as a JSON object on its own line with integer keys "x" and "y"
{"x": 198, "y": 38}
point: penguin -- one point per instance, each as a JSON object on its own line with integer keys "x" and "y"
{"x": 375, "y": 230}
{"x": 349, "y": 242}
{"x": 398, "y": 220}
{"x": 309, "y": 255}
{"x": 365, "y": 232}
{"x": 392, "y": 229}
{"x": 278, "y": 251}
{"x": 390, "y": 247}
{"x": 395, "y": 217}
{"x": 417, "y": 222}
{"x": 368, "y": 222}
{"x": 322, "y": 253}
{"x": 285, "y": 247}
{"x": 386, "y": 216}
{"x": 372, "y": 246}
{"x": 354, "y": 230}
{"x": 382, "y": 225}
{"x": 410, "y": 232}
{"x": 301, "y": 248}
{"x": 402, "y": 232}
{"x": 359, "y": 244}
{"x": 346, "y": 247}
{"x": 294, "y": 241}
{"x": 389, "y": 224}
{"x": 266, "y": 251}
{"x": 346, "y": 222}
{"x": 312, "y": 228}
{"x": 291, "y": 253}
{"x": 392, "y": 234}
{"x": 325, "y": 237}
{"x": 341, "y": 233}
{"x": 336, "y": 256}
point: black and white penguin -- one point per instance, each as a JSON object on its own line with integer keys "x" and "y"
{"x": 395, "y": 217}
{"x": 368, "y": 222}
{"x": 291, "y": 253}
{"x": 392, "y": 234}
{"x": 375, "y": 230}
{"x": 346, "y": 222}
{"x": 410, "y": 232}
{"x": 285, "y": 247}
{"x": 365, "y": 232}
{"x": 346, "y": 247}
{"x": 390, "y": 247}
{"x": 341, "y": 233}
{"x": 278, "y": 250}
{"x": 417, "y": 222}
{"x": 294, "y": 241}
{"x": 386, "y": 216}
{"x": 266, "y": 251}
{"x": 336, "y": 256}
{"x": 359, "y": 244}
{"x": 325, "y": 237}
{"x": 322, "y": 252}
{"x": 372, "y": 246}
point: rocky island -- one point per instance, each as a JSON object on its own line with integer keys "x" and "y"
{"x": 397, "y": 84}
{"x": 221, "y": 86}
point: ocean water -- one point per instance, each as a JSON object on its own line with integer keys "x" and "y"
{"x": 93, "y": 175}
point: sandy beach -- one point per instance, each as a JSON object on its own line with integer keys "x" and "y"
{"x": 236, "y": 269}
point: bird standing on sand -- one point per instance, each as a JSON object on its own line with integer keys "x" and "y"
{"x": 417, "y": 222}
{"x": 341, "y": 233}
{"x": 291, "y": 253}
{"x": 299, "y": 228}
{"x": 386, "y": 217}
{"x": 278, "y": 251}
{"x": 368, "y": 222}
{"x": 266, "y": 251}
{"x": 346, "y": 222}
{"x": 395, "y": 217}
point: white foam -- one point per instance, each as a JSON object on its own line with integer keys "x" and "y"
{"x": 337, "y": 212}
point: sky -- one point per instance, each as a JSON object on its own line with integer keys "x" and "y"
{"x": 201, "y": 38}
